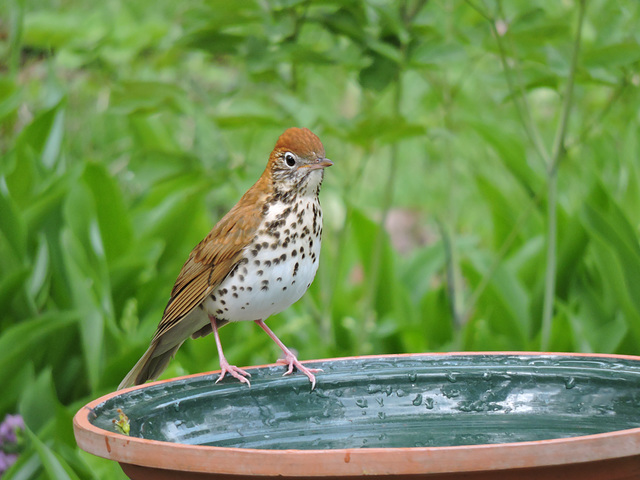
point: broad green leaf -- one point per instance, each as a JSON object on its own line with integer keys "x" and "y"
{"x": 609, "y": 56}
{"x": 87, "y": 301}
{"x": 40, "y": 270}
{"x": 505, "y": 302}
{"x": 38, "y": 402}
{"x": 386, "y": 130}
{"x": 49, "y": 29}
{"x": 14, "y": 386}
{"x": 348, "y": 22}
{"x": 240, "y": 113}
{"x": 10, "y": 97}
{"x": 146, "y": 97}
{"x": 115, "y": 226}
{"x": 428, "y": 54}
{"x": 437, "y": 322}
{"x": 511, "y": 153}
{"x": 617, "y": 240}
{"x": 44, "y": 135}
{"x": 366, "y": 232}
{"x": 379, "y": 74}
{"x": 53, "y": 464}
{"x": 28, "y": 339}
{"x": 211, "y": 39}
{"x": 26, "y": 467}
{"x": 12, "y": 227}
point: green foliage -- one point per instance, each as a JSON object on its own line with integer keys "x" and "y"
{"x": 127, "y": 129}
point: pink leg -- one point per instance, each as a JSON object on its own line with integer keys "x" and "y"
{"x": 225, "y": 368}
{"x": 289, "y": 358}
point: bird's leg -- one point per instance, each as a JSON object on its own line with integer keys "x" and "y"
{"x": 224, "y": 365}
{"x": 289, "y": 358}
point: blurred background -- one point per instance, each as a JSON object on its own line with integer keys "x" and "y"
{"x": 485, "y": 193}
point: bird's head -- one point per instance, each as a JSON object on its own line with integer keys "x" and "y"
{"x": 298, "y": 162}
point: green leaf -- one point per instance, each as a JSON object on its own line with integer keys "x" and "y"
{"x": 12, "y": 226}
{"x": 48, "y": 29}
{"x": 209, "y": 38}
{"x": 385, "y": 130}
{"x": 44, "y": 135}
{"x": 429, "y": 54}
{"x": 610, "y": 56}
{"x": 10, "y": 97}
{"x": 28, "y": 339}
{"x": 366, "y": 232}
{"x": 618, "y": 242}
{"x": 116, "y": 230}
{"x": 505, "y": 303}
{"x": 146, "y": 97}
{"x": 86, "y": 300}
{"x": 511, "y": 153}
{"x": 379, "y": 74}
{"x": 39, "y": 401}
{"x": 437, "y": 322}
{"x": 26, "y": 467}
{"x": 19, "y": 380}
{"x": 347, "y": 21}
{"x": 53, "y": 464}
{"x": 40, "y": 271}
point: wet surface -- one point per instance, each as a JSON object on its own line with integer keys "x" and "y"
{"x": 426, "y": 400}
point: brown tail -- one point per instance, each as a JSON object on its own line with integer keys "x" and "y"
{"x": 149, "y": 367}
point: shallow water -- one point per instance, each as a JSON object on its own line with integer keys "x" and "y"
{"x": 426, "y": 400}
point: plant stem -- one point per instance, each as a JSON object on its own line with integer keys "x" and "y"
{"x": 486, "y": 278}
{"x": 407, "y": 18}
{"x": 519, "y": 99}
{"x": 552, "y": 191}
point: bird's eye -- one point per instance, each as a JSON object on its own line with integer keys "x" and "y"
{"x": 290, "y": 159}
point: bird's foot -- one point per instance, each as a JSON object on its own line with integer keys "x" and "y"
{"x": 234, "y": 371}
{"x": 293, "y": 362}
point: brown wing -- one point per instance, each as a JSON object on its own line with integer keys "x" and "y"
{"x": 213, "y": 258}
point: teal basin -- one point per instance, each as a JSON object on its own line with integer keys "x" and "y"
{"x": 387, "y": 402}
{"x": 424, "y": 401}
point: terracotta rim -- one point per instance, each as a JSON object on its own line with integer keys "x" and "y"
{"x": 355, "y": 461}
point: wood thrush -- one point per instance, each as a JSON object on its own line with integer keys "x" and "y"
{"x": 257, "y": 261}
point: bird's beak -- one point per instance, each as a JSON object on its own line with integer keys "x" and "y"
{"x": 325, "y": 162}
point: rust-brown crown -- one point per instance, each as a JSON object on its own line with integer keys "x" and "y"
{"x": 301, "y": 141}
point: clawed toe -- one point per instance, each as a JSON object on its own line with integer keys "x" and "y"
{"x": 235, "y": 372}
{"x": 293, "y": 362}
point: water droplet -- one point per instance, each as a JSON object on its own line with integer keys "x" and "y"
{"x": 569, "y": 383}
{"x": 486, "y": 375}
{"x": 362, "y": 402}
{"x": 383, "y": 436}
{"x": 374, "y": 388}
{"x": 452, "y": 377}
{"x": 382, "y": 415}
{"x": 380, "y": 401}
{"x": 413, "y": 377}
{"x": 450, "y": 392}
{"x": 176, "y": 406}
{"x": 418, "y": 400}
{"x": 401, "y": 393}
{"x": 428, "y": 402}
{"x": 178, "y": 423}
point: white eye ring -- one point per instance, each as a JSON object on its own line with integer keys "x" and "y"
{"x": 290, "y": 159}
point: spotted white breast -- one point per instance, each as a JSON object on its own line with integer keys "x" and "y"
{"x": 277, "y": 267}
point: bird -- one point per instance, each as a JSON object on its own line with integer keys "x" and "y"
{"x": 258, "y": 260}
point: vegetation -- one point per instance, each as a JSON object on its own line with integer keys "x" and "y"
{"x": 496, "y": 141}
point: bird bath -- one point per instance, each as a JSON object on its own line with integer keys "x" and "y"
{"x": 457, "y": 415}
